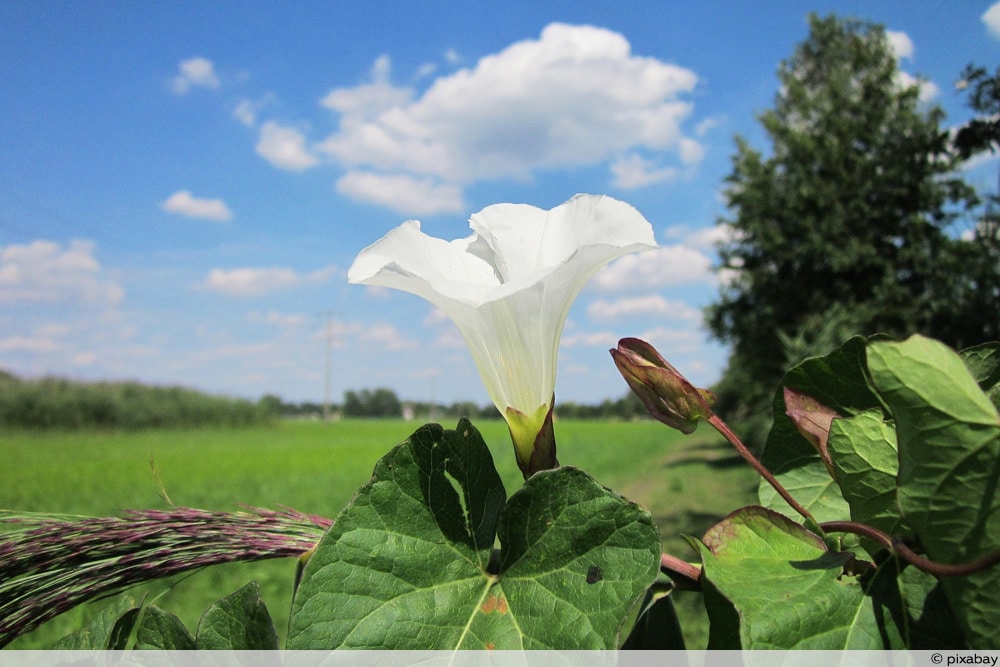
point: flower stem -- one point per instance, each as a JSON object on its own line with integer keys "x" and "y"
{"x": 685, "y": 575}
{"x": 755, "y": 463}
{"x": 897, "y": 546}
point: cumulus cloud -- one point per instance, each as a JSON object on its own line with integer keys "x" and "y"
{"x": 381, "y": 335}
{"x": 195, "y": 73}
{"x": 285, "y": 147}
{"x": 184, "y": 203}
{"x": 928, "y": 89}
{"x": 388, "y": 337}
{"x": 674, "y": 340}
{"x": 48, "y": 272}
{"x": 991, "y": 18}
{"x": 368, "y": 99}
{"x": 634, "y": 171}
{"x": 903, "y": 49}
{"x": 705, "y": 126}
{"x": 259, "y": 281}
{"x": 246, "y": 110}
{"x": 408, "y": 195}
{"x": 668, "y": 265}
{"x": 701, "y": 238}
{"x": 652, "y": 304}
{"x": 900, "y": 43}
{"x": 607, "y": 339}
{"x": 574, "y": 96}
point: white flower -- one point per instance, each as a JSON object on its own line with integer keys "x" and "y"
{"x": 509, "y": 287}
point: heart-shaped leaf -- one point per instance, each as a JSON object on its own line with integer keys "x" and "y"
{"x": 790, "y": 592}
{"x": 410, "y": 563}
{"x": 949, "y": 469}
{"x": 838, "y": 382}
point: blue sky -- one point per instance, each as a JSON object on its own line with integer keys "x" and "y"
{"x": 184, "y": 185}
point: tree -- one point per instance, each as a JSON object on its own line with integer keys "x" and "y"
{"x": 982, "y": 133}
{"x": 367, "y": 403}
{"x": 981, "y": 261}
{"x": 843, "y": 228}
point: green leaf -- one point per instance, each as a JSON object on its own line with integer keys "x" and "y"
{"x": 161, "y": 630}
{"x": 657, "y": 628}
{"x": 409, "y": 564}
{"x": 865, "y": 461}
{"x": 930, "y": 623}
{"x": 949, "y": 469}
{"x": 839, "y": 382}
{"x": 789, "y": 591}
{"x": 724, "y": 621}
{"x": 983, "y": 361}
{"x": 238, "y": 622}
{"x": 109, "y": 629}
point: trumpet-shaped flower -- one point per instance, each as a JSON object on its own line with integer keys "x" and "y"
{"x": 509, "y": 287}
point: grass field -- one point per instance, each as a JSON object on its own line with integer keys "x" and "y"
{"x": 688, "y": 483}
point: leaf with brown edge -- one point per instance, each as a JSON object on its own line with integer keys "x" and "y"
{"x": 812, "y": 419}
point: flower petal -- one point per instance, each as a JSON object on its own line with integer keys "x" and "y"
{"x": 510, "y": 285}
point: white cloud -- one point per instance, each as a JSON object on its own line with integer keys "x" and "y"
{"x": 426, "y": 70}
{"x": 259, "y": 281}
{"x": 691, "y": 151}
{"x": 928, "y": 89}
{"x": 30, "y": 344}
{"x": 634, "y": 171}
{"x": 276, "y": 319}
{"x": 991, "y": 18}
{"x": 388, "y": 337}
{"x": 184, "y": 203}
{"x": 652, "y": 304}
{"x": 246, "y": 113}
{"x": 705, "y": 126}
{"x": 608, "y": 339}
{"x": 195, "y": 72}
{"x": 673, "y": 341}
{"x": 900, "y": 44}
{"x": 902, "y": 48}
{"x": 48, "y": 272}
{"x": 368, "y": 99}
{"x": 575, "y": 96}
{"x": 285, "y": 147}
{"x": 669, "y": 265}
{"x": 381, "y": 335}
{"x": 406, "y": 194}
{"x": 701, "y": 238}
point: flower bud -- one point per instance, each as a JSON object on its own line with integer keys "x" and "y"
{"x": 666, "y": 394}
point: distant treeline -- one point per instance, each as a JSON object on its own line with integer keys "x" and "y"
{"x": 65, "y": 404}
{"x": 384, "y": 403}
{"x": 60, "y": 403}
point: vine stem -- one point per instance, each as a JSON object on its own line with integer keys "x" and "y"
{"x": 755, "y": 463}
{"x": 685, "y": 575}
{"x": 897, "y": 546}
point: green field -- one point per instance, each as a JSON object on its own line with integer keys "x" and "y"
{"x": 688, "y": 483}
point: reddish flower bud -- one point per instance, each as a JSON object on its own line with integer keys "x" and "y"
{"x": 667, "y": 394}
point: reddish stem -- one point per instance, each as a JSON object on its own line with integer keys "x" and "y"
{"x": 686, "y": 575}
{"x": 897, "y": 546}
{"x": 755, "y": 463}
